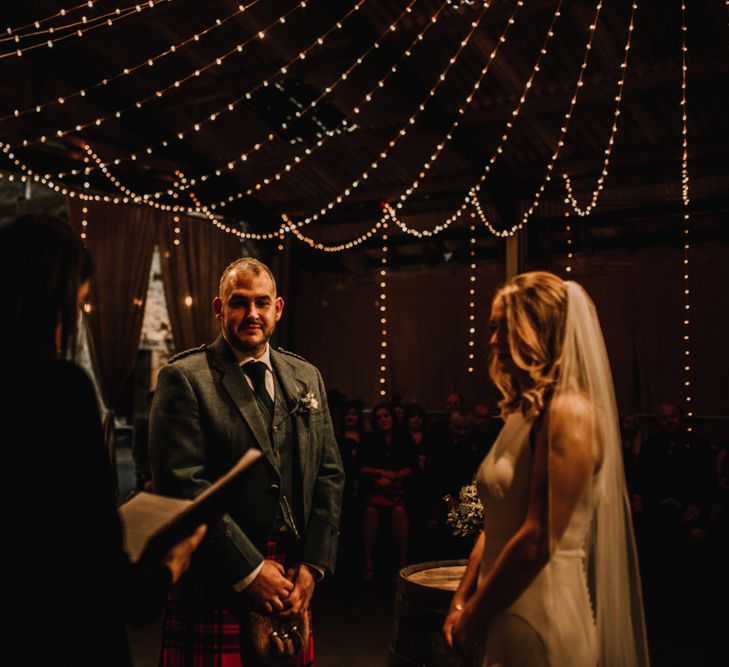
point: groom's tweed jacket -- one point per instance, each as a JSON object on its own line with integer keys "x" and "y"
{"x": 205, "y": 417}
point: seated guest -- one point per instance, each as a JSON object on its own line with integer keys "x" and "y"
{"x": 73, "y": 587}
{"x": 416, "y": 419}
{"x": 385, "y": 461}
{"x": 350, "y": 432}
{"x": 454, "y": 402}
{"x": 440, "y": 427}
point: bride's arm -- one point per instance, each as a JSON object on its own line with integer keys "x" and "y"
{"x": 465, "y": 588}
{"x": 572, "y": 462}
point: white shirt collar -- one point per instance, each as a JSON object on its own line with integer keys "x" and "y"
{"x": 265, "y": 358}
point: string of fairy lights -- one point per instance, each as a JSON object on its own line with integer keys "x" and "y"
{"x": 556, "y": 151}
{"x": 38, "y": 34}
{"x": 389, "y": 213}
{"x": 75, "y": 31}
{"x": 127, "y": 70}
{"x": 178, "y": 82}
{"x": 570, "y": 198}
{"x": 290, "y": 225}
{"x": 347, "y": 123}
{"x": 88, "y": 4}
{"x": 568, "y": 240}
{"x": 84, "y": 223}
{"x": 471, "y": 340}
{"x": 381, "y": 306}
{"x": 391, "y": 144}
{"x": 461, "y": 110}
{"x": 176, "y": 230}
{"x": 394, "y": 140}
{"x": 230, "y": 106}
{"x": 687, "y": 374}
{"x": 16, "y": 36}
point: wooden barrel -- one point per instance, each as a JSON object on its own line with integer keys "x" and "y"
{"x": 424, "y": 593}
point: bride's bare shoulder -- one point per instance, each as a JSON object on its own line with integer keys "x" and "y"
{"x": 570, "y": 421}
{"x": 570, "y": 406}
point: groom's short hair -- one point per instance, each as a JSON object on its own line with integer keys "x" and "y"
{"x": 247, "y": 265}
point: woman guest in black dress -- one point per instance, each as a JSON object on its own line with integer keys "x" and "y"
{"x": 386, "y": 460}
{"x": 70, "y": 587}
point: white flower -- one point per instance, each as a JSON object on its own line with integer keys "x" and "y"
{"x": 305, "y": 404}
{"x": 466, "y": 518}
{"x": 308, "y": 402}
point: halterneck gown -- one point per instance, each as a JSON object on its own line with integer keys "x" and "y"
{"x": 551, "y": 623}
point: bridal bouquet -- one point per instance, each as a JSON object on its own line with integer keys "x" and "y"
{"x": 466, "y": 518}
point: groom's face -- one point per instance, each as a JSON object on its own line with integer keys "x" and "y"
{"x": 248, "y": 310}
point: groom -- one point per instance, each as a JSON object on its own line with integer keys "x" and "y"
{"x": 212, "y": 404}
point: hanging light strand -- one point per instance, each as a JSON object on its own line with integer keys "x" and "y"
{"x": 461, "y": 110}
{"x": 571, "y": 199}
{"x": 381, "y": 305}
{"x": 161, "y": 92}
{"x": 133, "y": 196}
{"x": 558, "y": 148}
{"x": 93, "y": 24}
{"x": 84, "y": 223}
{"x": 390, "y": 213}
{"x": 126, "y": 71}
{"x": 338, "y": 247}
{"x": 346, "y": 124}
{"x": 233, "y": 104}
{"x": 688, "y": 361}
{"x": 569, "y": 239}
{"x": 201, "y": 209}
{"x": 85, "y": 21}
{"x": 471, "y": 338}
{"x": 176, "y": 230}
{"x": 228, "y": 229}
{"x": 28, "y": 174}
{"x": 89, "y": 4}
{"x": 385, "y": 152}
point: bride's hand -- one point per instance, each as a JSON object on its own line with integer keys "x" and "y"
{"x": 466, "y": 632}
{"x": 449, "y": 624}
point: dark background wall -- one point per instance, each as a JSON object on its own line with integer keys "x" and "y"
{"x": 639, "y": 296}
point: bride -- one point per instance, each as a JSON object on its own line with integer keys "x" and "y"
{"x": 553, "y": 578}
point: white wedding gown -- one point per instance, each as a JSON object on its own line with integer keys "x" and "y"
{"x": 551, "y": 623}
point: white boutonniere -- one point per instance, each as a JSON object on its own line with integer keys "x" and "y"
{"x": 307, "y": 403}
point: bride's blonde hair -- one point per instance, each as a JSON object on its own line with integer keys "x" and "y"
{"x": 535, "y": 307}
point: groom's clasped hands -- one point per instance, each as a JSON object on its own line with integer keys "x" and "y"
{"x": 282, "y": 592}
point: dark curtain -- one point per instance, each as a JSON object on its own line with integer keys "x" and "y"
{"x": 121, "y": 242}
{"x": 191, "y": 273}
{"x": 336, "y": 325}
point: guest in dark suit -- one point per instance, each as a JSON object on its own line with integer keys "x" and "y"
{"x": 70, "y": 588}
{"x": 211, "y": 405}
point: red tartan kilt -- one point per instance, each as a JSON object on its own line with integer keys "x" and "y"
{"x": 197, "y": 633}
